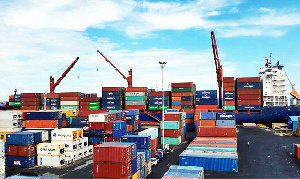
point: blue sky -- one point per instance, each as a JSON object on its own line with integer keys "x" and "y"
{"x": 39, "y": 39}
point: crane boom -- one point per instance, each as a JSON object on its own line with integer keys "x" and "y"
{"x": 219, "y": 69}
{"x": 53, "y": 85}
{"x": 293, "y": 93}
{"x": 128, "y": 79}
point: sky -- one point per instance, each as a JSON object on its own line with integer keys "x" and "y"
{"x": 40, "y": 39}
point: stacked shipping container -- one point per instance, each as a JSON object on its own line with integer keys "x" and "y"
{"x": 136, "y": 98}
{"x": 15, "y": 101}
{"x": 70, "y": 100}
{"x": 248, "y": 93}
{"x": 177, "y": 171}
{"x": 183, "y": 95}
{"x": 132, "y": 120}
{"x": 228, "y": 93}
{"x": 156, "y": 100}
{"x": 31, "y": 101}
{"x": 206, "y": 99}
{"x": 189, "y": 121}
{"x": 43, "y": 119}
{"x": 153, "y": 133}
{"x": 173, "y": 128}
{"x": 52, "y": 101}
{"x": 113, "y": 98}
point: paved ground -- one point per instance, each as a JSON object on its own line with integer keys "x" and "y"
{"x": 268, "y": 156}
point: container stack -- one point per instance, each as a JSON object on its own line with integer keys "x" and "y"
{"x": 42, "y": 119}
{"x": 136, "y": 98}
{"x": 153, "y": 133}
{"x": 31, "y": 101}
{"x": 177, "y": 171}
{"x": 113, "y": 161}
{"x": 206, "y": 99}
{"x": 52, "y": 101}
{"x": 99, "y": 124}
{"x": 113, "y": 98}
{"x": 50, "y": 154}
{"x": 132, "y": 120}
{"x": 15, "y": 101}
{"x": 189, "y": 121}
{"x": 207, "y": 119}
{"x": 119, "y": 129}
{"x": 69, "y": 100}
{"x": 228, "y": 93}
{"x": 80, "y": 122}
{"x": 248, "y": 93}
{"x": 174, "y": 132}
{"x": 89, "y": 103}
{"x": 21, "y": 149}
{"x": 156, "y": 100}
{"x": 11, "y": 121}
{"x": 183, "y": 95}
{"x": 2, "y": 159}
{"x": 143, "y": 144}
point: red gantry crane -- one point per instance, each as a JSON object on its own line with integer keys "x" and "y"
{"x": 128, "y": 79}
{"x": 53, "y": 85}
{"x": 219, "y": 69}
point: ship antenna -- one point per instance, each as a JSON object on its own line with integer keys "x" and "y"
{"x": 270, "y": 59}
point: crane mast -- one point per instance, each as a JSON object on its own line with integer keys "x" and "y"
{"x": 53, "y": 85}
{"x": 128, "y": 79}
{"x": 219, "y": 69}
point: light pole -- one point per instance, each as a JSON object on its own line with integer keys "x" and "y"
{"x": 162, "y": 65}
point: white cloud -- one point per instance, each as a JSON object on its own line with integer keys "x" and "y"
{"x": 213, "y": 13}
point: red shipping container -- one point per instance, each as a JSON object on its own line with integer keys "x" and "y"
{"x": 216, "y": 131}
{"x": 172, "y": 117}
{"x": 216, "y": 110}
{"x": 229, "y": 103}
{"x": 41, "y": 123}
{"x": 21, "y": 150}
{"x": 30, "y": 107}
{"x": 86, "y": 113}
{"x": 249, "y": 96}
{"x": 153, "y": 153}
{"x": 30, "y": 99}
{"x": 112, "y": 170}
{"x": 186, "y": 103}
{"x": 97, "y": 125}
{"x": 70, "y": 94}
{"x": 84, "y": 103}
{"x": 88, "y": 99}
{"x": 31, "y": 95}
{"x": 176, "y": 98}
{"x": 140, "y": 107}
{"x": 51, "y": 95}
{"x": 136, "y": 89}
{"x": 159, "y": 93}
{"x": 84, "y": 107}
{"x": 112, "y": 153}
{"x": 249, "y": 102}
{"x": 188, "y": 111}
{"x": 228, "y": 79}
{"x": 249, "y": 91}
{"x": 176, "y": 107}
{"x": 187, "y": 94}
{"x": 154, "y": 143}
{"x": 31, "y": 103}
{"x": 197, "y": 111}
{"x": 64, "y": 123}
{"x": 129, "y": 128}
{"x": 230, "y": 88}
{"x": 47, "y": 107}
{"x": 215, "y": 144}
{"x": 206, "y": 106}
{"x": 69, "y": 98}
{"x": 297, "y": 150}
{"x": 171, "y": 132}
{"x": 176, "y": 94}
{"x": 228, "y": 85}
{"x": 183, "y": 84}
{"x": 189, "y": 121}
{"x": 113, "y": 88}
{"x": 248, "y": 80}
{"x": 207, "y": 122}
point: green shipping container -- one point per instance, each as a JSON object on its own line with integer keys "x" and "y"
{"x": 170, "y": 125}
{"x": 171, "y": 140}
{"x": 151, "y": 107}
{"x": 216, "y": 149}
{"x": 182, "y": 89}
{"x": 94, "y": 103}
{"x": 187, "y": 107}
{"x": 229, "y": 107}
{"x": 135, "y": 98}
{"x": 93, "y": 107}
{"x": 165, "y": 107}
{"x": 14, "y": 103}
{"x": 69, "y": 107}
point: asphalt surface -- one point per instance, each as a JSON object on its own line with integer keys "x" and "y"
{"x": 268, "y": 156}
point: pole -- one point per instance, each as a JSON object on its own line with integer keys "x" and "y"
{"x": 162, "y": 65}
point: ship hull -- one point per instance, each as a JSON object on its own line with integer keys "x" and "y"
{"x": 269, "y": 114}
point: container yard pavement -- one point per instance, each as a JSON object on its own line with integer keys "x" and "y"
{"x": 268, "y": 156}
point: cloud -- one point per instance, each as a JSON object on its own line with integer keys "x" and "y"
{"x": 213, "y": 13}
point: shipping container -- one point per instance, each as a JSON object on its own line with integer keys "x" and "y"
{"x": 170, "y": 125}
{"x": 172, "y": 140}
{"x": 177, "y": 171}
{"x": 216, "y": 131}
{"x": 225, "y": 123}
{"x": 52, "y": 149}
{"x": 112, "y": 153}
{"x": 207, "y": 123}
{"x": 112, "y": 170}
{"x": 41, "y": 123}
{"x": 143, "y": 142}
{"x": 20, "y": 138}
{"x": 19, "y": 161}
{"x": 21, "y": 150}
{"x": 51, "y": 160}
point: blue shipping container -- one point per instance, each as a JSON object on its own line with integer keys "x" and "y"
{"x": 24, "y": 162}
{"x": 37, "y": 136}
{"x": 112, "y": 93}
{"x": 80, "y": 121}
{"x": 249, "y": 107}
{"x": 117, "y": 134}
{"x": 118, "y": 125}
{"x": 111, "y": 103}
{"x": 142, "y": 142}
{"x": 96, "y": 131}
{"x": 208, "y": 115}
{"x": 185, "y": 171}
{"x": 206, "y": 102}
{"x": 20, "y": 138}
{"x": 158, "y": 98}
{"x": 43, "y": 115}
{"x": 111, "y": 107}
{"x": 112, "y": 98}
{"x": 189, "y": 116}
{"x": 225, "y": 123}
{"x": 187, "y": 98}
{"x": 225, "y": 116}
{"x": 248, "y": 85}
{"x": 176, "y": 103}
{"x": 147, "y": 153}
{"x": 206, "y": 92}
{"x": 155, "y": 102}
{"x": 143, "y": 172}
{"x": 134, "y": 166}
{"x": 95, "y": 139}
{"x": 206, "y": 97}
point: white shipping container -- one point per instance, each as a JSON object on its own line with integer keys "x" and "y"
{"x": 85, "y": 141}
{"x": 91, "y": 147}
{"x": 153, "y": 132}
{"x": 69, "y": 145}
{"x": 45, "y": 134}
{"x": 101, "y": 117}
{"x": 10, "y": 115}
{"x": 13, "y": 123}
{"x": 134, "y": 93}
{"x": 51, "y": 160}
{"x": 9, "y": 129}
{"x": 64, "y": 134}
{"x": 50, "y": 149}
{"x": 80, "y": 153}
{"x": 2, "y": 149}
{"x": 86, "y": 151}
{"x": 69, "y": 103}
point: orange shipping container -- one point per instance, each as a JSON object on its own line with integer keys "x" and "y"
{"x": 229, "y": 88}
{"x": 206, "y": 107}
{"x": 176, "y": 94}
{"x": 188, "y": 111}
{"x": 176, "y": 98}
{"x": 231, "y": 103}
{"x": 186, "y": 103}
{"x": 129, "y": 128}
{"x": 187, "y": 94}
{"x": 207, "y": 123}
{"x": 136, "y": 89}
{"x": 228, "y": 85}
{"x": 196, "y": 117}
{"x": 41, "y": 123}
{"x": 176, "y": 107}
